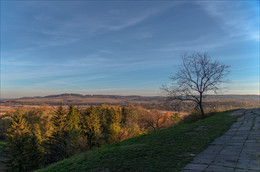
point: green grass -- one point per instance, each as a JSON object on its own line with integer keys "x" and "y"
{"x": 164, "y": 150}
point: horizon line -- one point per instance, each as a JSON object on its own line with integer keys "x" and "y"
{"x": 47, "y": 95}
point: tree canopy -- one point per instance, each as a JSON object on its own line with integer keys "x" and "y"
{"x": 197, "y": 74}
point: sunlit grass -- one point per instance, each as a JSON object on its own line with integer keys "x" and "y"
{"x": 164, "y": 150}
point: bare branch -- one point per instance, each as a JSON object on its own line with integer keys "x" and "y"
{"x": 198, "y": 73}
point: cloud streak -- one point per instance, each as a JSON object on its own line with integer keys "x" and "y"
{"x": 232, "y": 19}
{"x": 116, "y": 45}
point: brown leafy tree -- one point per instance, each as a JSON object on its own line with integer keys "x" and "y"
{"x": 197, "y": 74}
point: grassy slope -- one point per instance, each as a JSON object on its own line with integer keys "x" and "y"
{"x": 165, "y": 150}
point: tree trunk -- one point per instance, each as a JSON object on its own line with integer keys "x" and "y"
{"x": 201, "y": 110}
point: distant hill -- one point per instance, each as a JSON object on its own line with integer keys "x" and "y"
{"x": 255, "y": 98}
{"x": 79, "y": 99}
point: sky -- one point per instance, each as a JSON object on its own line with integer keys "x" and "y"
{"x": 122, "y": 47}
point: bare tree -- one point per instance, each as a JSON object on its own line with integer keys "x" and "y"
{"x": 197, "y": 74}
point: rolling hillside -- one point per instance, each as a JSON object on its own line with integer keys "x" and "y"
{"x": 78, "y": 99}
{"x": 164, "y": 150}
{"x": 220, "y": 102}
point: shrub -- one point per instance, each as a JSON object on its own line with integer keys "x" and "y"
{"x": 175, "y": 118}
{"x": 194, "y": 116}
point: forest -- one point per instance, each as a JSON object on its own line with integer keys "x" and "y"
{"x": 37, "y": 137}
{"x": 32, "y": 137}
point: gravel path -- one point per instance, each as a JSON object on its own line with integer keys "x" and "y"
{"x": 238, "y": 150}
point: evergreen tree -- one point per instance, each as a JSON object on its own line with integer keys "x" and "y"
{"x": 59, "y": 119}
{"x": 72, "y": 119}
{"x": 113, "y": 116}
{"x": 125, "y": 113}
{"x": 101, "y": 112}
{"x": 114, "y": 129}
{"x": 56, "y": 145}
{"x": 115, "y": 133}
{"x": 34, "y": 153}
{"x": 37, "y": 132}
{"x": 73, "y": 130}
{"x": 91, "y": 127}
{"x": 22, "y": 146}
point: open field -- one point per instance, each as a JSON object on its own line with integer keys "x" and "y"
{"x": 218, "y": 102}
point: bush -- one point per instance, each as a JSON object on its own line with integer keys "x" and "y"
{"x": 175, "y": 118}
{"x": 194, "y": 116}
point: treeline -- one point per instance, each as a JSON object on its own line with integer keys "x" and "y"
{"x": 209, "y": 106}
{"x": 41, "y": 136}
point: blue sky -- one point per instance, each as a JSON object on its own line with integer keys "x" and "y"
{"x": 126, "y": 48}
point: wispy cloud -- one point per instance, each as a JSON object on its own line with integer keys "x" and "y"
{"x": 49, "y": 30}
{"x": 239, "y": 24}
{"x": 107, "y": 20}
{"x": 120, "y": 19}
{"x": 204, "y": 43}
{"x": 118, "y": 45}
{"x": 234, "y": 18}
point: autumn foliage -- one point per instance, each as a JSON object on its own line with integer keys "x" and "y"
{"x": 52, "y": 134}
